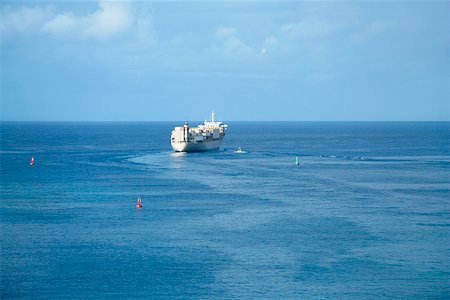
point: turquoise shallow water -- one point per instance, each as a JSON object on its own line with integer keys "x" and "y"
{"x": 365, "y": 214}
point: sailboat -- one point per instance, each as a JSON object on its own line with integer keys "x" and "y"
{"x": 139, "y": 203}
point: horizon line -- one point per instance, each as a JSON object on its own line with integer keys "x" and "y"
{"x": 280, "y": 121}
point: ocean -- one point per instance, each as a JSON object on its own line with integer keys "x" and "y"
{"x": 365, "y": 214}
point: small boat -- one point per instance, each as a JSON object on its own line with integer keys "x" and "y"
{"x": 32, "y": 161}
{"x": 297, "y": 162}
{"x": 139, "y": 203}
{"x": 239, "y": 150}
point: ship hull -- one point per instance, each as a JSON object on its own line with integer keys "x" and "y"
{"x": 196, "y": 147}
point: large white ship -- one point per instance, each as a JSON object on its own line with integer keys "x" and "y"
{"x": 204, "y": 137}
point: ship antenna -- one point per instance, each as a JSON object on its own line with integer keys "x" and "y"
{"x": 212, "y": 117}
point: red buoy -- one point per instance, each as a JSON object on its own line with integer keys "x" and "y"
{"x": 139, "y": 203}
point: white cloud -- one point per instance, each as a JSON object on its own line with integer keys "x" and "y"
{"x": 144, "y": 25}
{"x": 287, "y": 27}
{"x": 229, "y": 43}
{"x": 110, "y": 19}
{"x": 269, "y": 44}
{"x": 23, "y": 19}
{"x": 310, "y": 28}
{"x": 225, "y": 31}
{"x": 61, "y": 24}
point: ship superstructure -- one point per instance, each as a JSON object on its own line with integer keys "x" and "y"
{"x": 204, "y": 137}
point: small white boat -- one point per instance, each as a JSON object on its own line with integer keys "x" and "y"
{"x": 239, "y": 150}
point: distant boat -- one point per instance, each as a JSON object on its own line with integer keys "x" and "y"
{"x": 32, "y": 161}
{"x": 139, "y": 203}
{"x": 297, "y": 162}
{"x": 239, "y": 150}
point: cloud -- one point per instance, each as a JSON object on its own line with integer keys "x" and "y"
{"x": 269, "y": 44}
{"x": 61, "y": 24}
{"x": 225, "y": 32}
{"x": 23, "y": 19}
{"x": 144, "y": 25}
{"x": 310, "y": 28}
{"x": 229, "y": 44}
{"x": 111, "y": 18}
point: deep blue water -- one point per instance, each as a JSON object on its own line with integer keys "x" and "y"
{"x": 365, "y": 215}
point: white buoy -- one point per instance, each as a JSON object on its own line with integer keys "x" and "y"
{"x": 296, "y": 161}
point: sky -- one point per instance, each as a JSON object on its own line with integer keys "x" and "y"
{"x": 247, "y": 61}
